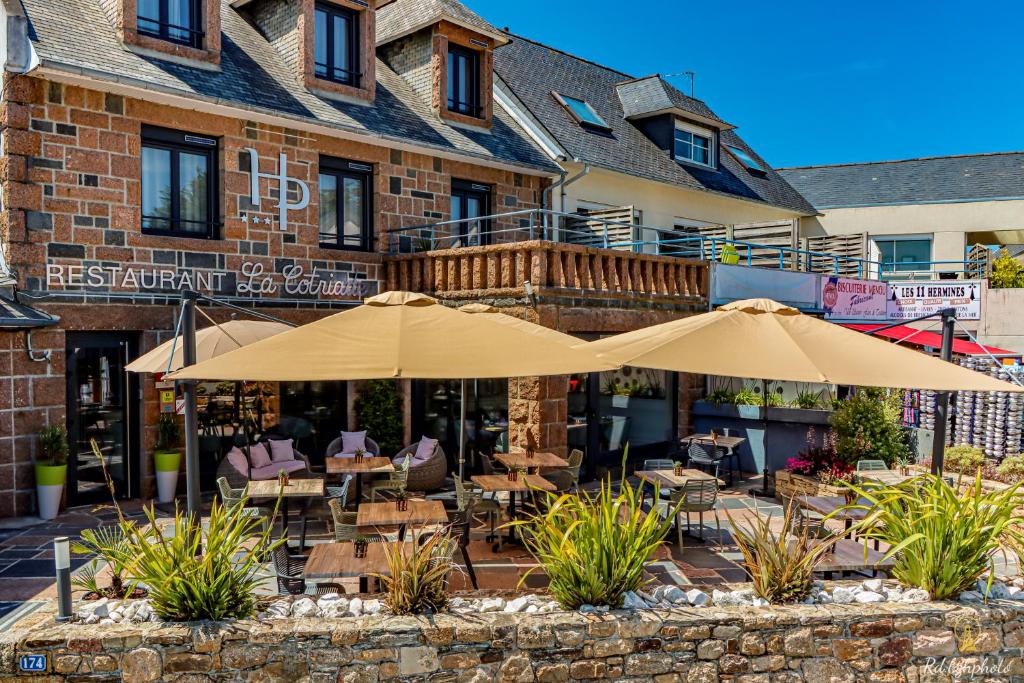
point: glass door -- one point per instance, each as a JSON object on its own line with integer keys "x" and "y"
{"x": 471, "y": 200}
{"x": 102, "y": 400}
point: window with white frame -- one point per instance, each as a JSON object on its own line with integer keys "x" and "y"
{"x": 694, "y": 144}
{"x": 903, "y": 254}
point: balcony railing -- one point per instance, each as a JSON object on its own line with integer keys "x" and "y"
{"x": 551, "y": 268}
{"x": 591, "y": 231}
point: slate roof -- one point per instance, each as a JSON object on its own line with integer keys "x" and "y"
{"x": 929, "y": 180}
{"x": 643, "y": 96}
{"x": 406, "y": 16}
{"x": 532, "y": 71}
{"x": 76, "y": 36}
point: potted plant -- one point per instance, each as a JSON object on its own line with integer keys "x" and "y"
{"x": 167, "y": 457}
{"x": 282, "y": 478}
{"x": 514, "y": 472}
{"x": 359, "y": 544}
{"x": 903, "y": 465}
{"x": 358, "y": 455}
{"x": 51, "y": 468}
{"x": 678, "y": 469}
{"x": 401, "y": 501}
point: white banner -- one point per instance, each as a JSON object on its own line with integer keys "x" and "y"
{"x": 844, "y": 298}
{"x": 732, "y": 283}
{"x": 913, "y": 299}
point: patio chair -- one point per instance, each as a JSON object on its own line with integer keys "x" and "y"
{"x": 425, "y": 475}
{"x": 230, "y": 497}
{"x": 562, "y": 480}
{"x": 290, "y": 581}
{"x": 340, "y": 493}
{"x": 462, "y": 525}
{"x": 395, "y": 482}
{"x": 697, "y": 496}
{"x": 575, "y": 461}
{"x": 334, "y": 447}
{"x": 704, "y": 456}
{"x": 651, "y": 465}
{"x": 470, "y": 497}
{"x": 870, "y": 465}
{"x": 345, "y": 528}
{"x": 488, "y": 466}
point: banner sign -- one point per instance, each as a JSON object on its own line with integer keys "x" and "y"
{"x": 732, "y": 283}
{"x": 913, "y": 299}
{"x": 844, "y": 298}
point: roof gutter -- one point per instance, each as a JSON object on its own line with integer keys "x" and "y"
{"x": 130, "y": 87}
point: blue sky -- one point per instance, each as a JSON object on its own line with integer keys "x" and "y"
{"x": 814, "y": 82}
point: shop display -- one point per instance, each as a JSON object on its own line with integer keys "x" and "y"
{"x": 991, "y": 421}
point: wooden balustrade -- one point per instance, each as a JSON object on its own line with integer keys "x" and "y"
{"x": 553, "y": 268}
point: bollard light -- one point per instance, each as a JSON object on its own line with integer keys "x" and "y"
{"x": 62, "y": 561}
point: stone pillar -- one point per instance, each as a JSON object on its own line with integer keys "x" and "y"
{"x": 691, "y": 388}
{"x": 538, "y": 405}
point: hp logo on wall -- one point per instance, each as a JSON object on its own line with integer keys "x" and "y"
{"x": 282, "y": 178}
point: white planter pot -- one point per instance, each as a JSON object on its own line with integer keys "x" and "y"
{"x": 49, "y": 500}
{"x": 166, "y": 486}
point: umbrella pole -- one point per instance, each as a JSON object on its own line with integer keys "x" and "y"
{"x": 942, "y": 397}
{"x": 764, "y": 442}
{"x": 188, "y": 349}
{"x": 462, "y": 428}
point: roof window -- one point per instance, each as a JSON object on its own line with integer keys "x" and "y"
{"x": 582, "y": 112}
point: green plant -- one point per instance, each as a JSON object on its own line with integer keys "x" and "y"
{"x": 111, "y": 544}
{"x": 594, "y": 546}
{"x": 809, "y": 400}
{"x": 780, "y": 564}
{"x": 417, "y": 577}
{"x": 722, "y": 397}
{"x": 1006, "y": 271}
{"x": 943, "y": 537}
{"x": 378, "y": 410}
{"x": 168, "y": 434}
{"x": 52, "y": 442}
{"x": 867, "y": 426}
{"x": 963, "y": 459}
{"x": 747, "y": 397}
{"x": 1011, "y": 469}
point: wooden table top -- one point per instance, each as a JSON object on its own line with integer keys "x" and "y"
{"x": 348, "y": 465}
{"x": 296, "y": 488}
{"x": 884, "y": 476}
{"x": 338, "y": 560}
{"x": 826, "y": 505}
{"x": 848, "y": 556}
{"x": 387, "y": 514}
{"x": 668, "y": 478}
{"x": 539, "y": 459}
{"x": 720, "y": 440}
{"x": 500, "y": 482}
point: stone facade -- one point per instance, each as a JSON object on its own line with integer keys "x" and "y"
{"x": 898, "y": 643}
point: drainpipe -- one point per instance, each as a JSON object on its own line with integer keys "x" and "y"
{"x": 561, "y": 184}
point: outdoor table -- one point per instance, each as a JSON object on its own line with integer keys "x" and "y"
{"x": 848, "y": 556}
{"x": 418, "y": 513}
{"x": 539, "y": 459}
{"x": 888, "y": 477}
{"x": 728, "y": 443}
{"x": 524, "y": 483}
{"x": 348, "y": 465}
{"x": 338, "y": 560}
{"x": 667, "y": 479}
{"x": 296, "y": 488}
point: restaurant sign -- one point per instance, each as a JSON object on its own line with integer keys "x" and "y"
{"x": 914, "y": 299}
{"x": 252, "y": 279}
{"x": 845, "y": 298}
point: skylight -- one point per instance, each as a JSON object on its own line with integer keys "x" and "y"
{"x": 581, "y": 111}
{"x": 746, "y": 159}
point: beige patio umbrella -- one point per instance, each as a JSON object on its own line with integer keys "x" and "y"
{"x": 211, "y": 342}
{"x": 765, "y": 339}
{"x": 497, "y": 316}
{"x": 399, "y": 334}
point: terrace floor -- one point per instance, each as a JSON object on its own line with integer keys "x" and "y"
{"x": 27, "y": 571}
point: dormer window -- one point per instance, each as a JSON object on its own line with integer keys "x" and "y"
{"x": 463, "y": 81}
{"x": 176, "y": 21}
{"x": 336, "y": 44}
{"x": 694, "y": 144}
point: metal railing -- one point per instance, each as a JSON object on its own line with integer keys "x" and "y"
{"x": 593, "y": 231}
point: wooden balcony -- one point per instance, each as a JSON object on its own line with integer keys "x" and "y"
{"x": 556, "y": 270}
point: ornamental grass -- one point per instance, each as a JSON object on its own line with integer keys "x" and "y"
{"x": 417, "y": 578}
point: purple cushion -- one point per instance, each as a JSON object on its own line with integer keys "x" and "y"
{"x": 281, "y": 451}
{"x": 270, "y": 471}
{"x": 258, "y": 455}
{"x": 237, "y": 458}
{"x": 424, "y": 451}
{"x": 353, "y": 441}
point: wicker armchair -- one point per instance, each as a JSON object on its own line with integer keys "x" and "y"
{"x": 427, "y": 475}
{"x": 334, "y": 447}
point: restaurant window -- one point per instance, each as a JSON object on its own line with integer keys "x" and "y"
{"x": 694, "y": 144}
{"x": 636, "y": 407}
{"x": 470, "y": 202}
{"x": 436, "y": 414}
{"x": 345, "y": 217}
{"x": 313, "y": 414}
{"x": 336, "y": 44}
{"x": 176, "y": 21}
{"x": 178, "y": 174}
{"x": 463, "y": 81}
{"x": 904, "y": 255}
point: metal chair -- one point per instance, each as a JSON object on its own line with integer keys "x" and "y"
{"x": 698, "y": 496}
{"x": 462, "y": 525}
{"x": 707, "y": 456}
{"x": 488, "y": 466}
{"x": 575, "y": 461}
{"x": 650, "y": 465}
{"x": 289, "y": 571}
{"x": 870, "y": 465}
{"x": 340, "y": 493}
{"x": 345, "y": 528}
{"x": 230, "y": 497}
{"x": 468, "y": 496}
{"x": 395, "y": 482}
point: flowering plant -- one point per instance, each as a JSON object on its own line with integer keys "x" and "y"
{"x": 821, "y": 461}
{"x": 799, "y": 465}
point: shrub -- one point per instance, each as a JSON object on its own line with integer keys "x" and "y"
{"x": 417, "y": 578}
{"x": 867, "y": 426}
{"x": 378, "y": 410}
{"x": 963, "y": 459}
{"x": 168, "y": 434}
{"x": 594, "y": 547}
{"x": 53, "y": 444}
{"x": 780, "y": 565}
{"x": 1006, "y": 271}
{"x": 942, "y": 539}
{"x": 111, "y": 545}
{"x": 1011, "y": 469}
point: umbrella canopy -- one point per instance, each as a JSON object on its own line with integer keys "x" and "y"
{"x": 525, "y": 325}
{"x": 399, "y": 334}
{"x": 764, "y": 339}
{"x": 210, "y": 342}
